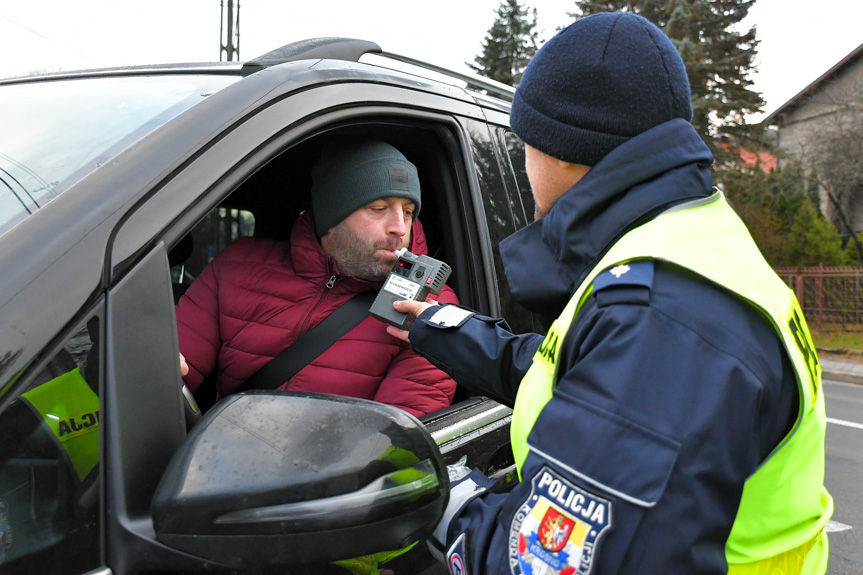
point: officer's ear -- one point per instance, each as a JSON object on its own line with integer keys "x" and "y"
{"x": 574, "y": 172}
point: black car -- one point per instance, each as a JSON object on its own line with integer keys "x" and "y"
{"x": 116, "y": 188}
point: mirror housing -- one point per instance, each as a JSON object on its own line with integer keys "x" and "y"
{"x": 279, "y": 478}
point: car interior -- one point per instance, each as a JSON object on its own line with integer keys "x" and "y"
{"x": 267, "y": 203}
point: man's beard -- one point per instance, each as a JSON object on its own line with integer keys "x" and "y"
{"x": 358, "y": 257}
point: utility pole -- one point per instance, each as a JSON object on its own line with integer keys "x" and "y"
{"x": 228, "y": 47}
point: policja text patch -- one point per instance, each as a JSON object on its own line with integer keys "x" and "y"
{"x": 550, "y": 347}
{"x": 558, "y": 529}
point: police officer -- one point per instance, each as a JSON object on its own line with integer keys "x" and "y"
{"x": 672, "y": 419}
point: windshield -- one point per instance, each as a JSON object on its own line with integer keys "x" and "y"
{"x": 53, "y": 133}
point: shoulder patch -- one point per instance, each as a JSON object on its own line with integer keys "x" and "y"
{"x": 558, "y": 529}
{"x": 637, "y": 273}
{"x": 456, "y": 557}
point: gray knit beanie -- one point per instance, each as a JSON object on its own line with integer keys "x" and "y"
{"x": 353, "y": 172}
{"x": 599, "y": 82}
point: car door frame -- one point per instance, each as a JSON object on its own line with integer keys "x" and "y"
{"x": 138, "y": 272}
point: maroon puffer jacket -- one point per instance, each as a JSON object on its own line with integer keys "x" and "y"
{"x": 258, "y": 296}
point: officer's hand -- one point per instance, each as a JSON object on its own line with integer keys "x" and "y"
{"x": 184, "y": 367}
{"x": 409, "y": 307}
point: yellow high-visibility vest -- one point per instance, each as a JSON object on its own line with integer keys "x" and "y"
{"x": 71, "y": 410}
{"x": 779, "y": 526}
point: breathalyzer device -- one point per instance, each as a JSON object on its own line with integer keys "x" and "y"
{"x": 412, "y": 278}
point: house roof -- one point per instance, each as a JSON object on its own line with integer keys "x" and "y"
{"x": 764, "y": 160}
{"x": 809, "y": 90}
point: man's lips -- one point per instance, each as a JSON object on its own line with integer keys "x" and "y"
{"x": 389, "y": 249}
{"x": 386, "y": 257}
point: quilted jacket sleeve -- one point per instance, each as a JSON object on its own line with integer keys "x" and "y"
{"x": 412, "y": 383}
{"x": 198, "y": 325}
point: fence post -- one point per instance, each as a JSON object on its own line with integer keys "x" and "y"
{"x": 798, "y": 289}
{"x": 836, "y": 299}
{"x": 820, "y": 292}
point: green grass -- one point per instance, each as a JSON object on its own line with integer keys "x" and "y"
{"x": 851, "y": 341}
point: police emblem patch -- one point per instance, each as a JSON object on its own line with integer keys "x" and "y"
{"x": 5, "y": 530}
{"x": 456, "y": 557}
{"x": 456, "y": 564}
{"x": 558, "y": 528}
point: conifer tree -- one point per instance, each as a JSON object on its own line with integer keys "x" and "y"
{"x": 784, "y": 221}
{"x": 510, "y": 44}
{"x": 719, "y": 60}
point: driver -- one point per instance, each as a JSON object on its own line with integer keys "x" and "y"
{"x": 257, "y": 297}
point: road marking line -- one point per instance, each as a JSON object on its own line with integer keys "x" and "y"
{"x": 845, "y": 423}
{"x": 835, "y": 526}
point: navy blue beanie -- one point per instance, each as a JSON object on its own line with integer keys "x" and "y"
{"x": 597, "y": 83}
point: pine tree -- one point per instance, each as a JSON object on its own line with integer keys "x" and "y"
{"x": 510, "y": 44}
{"x": 719, "y": 61}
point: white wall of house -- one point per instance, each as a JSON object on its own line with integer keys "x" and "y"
{"x": 825, "y": 106}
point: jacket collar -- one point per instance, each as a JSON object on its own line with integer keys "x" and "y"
{"x": 664, "y": 166}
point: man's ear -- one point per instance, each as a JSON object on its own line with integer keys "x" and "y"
{"x": 574, "y": 171}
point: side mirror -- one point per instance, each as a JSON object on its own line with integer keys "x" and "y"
{"x": 280, "y": 478}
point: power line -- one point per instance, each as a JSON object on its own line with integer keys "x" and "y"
{"x": 42, "y": 36}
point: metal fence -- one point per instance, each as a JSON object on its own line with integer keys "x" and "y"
{"x": 832, "y": 298}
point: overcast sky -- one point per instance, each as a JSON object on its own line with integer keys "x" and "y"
{"x": 800, "y": 39}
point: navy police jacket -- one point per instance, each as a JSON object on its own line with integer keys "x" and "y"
{"x": 665, "y": 352}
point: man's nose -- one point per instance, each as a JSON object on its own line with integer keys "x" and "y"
{"x": 396, "y": 223}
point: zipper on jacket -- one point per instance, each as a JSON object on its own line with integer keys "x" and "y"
{"x": 329, "y": 286}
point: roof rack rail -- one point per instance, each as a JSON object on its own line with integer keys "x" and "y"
{"x": 487, "y": 84}
{"x": 352, "y": 49}
{"x": 349, "y": 49}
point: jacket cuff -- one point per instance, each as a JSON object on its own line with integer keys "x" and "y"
{"x": 460, "y": 494}
{"x": 446, "y": 316}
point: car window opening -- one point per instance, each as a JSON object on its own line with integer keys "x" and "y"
{"x": 268, "y": 203}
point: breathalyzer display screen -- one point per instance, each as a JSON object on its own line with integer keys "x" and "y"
{"x": 404, "y": 268}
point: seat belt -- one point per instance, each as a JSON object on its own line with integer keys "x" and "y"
{"x": 309, "y": 346}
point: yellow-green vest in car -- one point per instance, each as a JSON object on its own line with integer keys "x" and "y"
{"x": 71, "y": 410}
{"x": 779, "y": 527}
